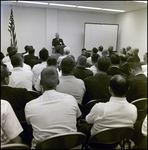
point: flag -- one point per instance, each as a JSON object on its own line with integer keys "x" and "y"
{"x": 11, "y": 29}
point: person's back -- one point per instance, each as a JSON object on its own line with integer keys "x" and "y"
{"x": 81, "y": 72}
{"x": 68, "y": 82}
{"x": 59, "y": 110}
{"x": 97, "y": 86}
{"x": 115, "y": 113}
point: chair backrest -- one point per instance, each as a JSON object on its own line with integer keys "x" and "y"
{"x": 111, "y": 136}
{"x": 33, "y": 95}
{"x": 63, "y": 141}
{"x": 15, "y": 146}
{"x": 88, "y": 106}
{"x": 141, "y": 105}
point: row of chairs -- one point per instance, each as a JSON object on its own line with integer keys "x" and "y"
{"x": 108, "y": 138}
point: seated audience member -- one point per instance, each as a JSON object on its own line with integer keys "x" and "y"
{"x": 110, "y": 50}
{"x": 100, "y": 49}
{"x": 51, "y": 62}
{"x": 123, "y": 66}
{"x": 20, "y": 77}
{"x": 128, "y": 48}
{"x": 60, "y": 110}
{"x": 7, "y": 58}
{"x": 57, "y": 54}
{"x": 68, "y": 83}
{"x": 138, "y": 82}
{"x": 84, "y": 52}
{"x": 66, "y": 53}
{"x": 26, "y": 50}
{"x": 10, "y": 126}
{"x": 81, "y": 72}
{"x": 105, "y": 53}
{"x": 2, "y": 56}
{"x": 43, "y": 54}
{"x": 123, "y": 51}
{"x": 94, "y": 51}
{"x": 117, "y": 112}
{"x": 94, "y": 59}
{"x": 97, "y": 86}
{"x": 133, "y": 55}
{"x": 31, "y": 59}
{"x": 144, "y": 64}
{"x": 114, "y": 68}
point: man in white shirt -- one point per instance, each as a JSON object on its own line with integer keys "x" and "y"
{"x": 10, "y": 125}
{"x": 43, "y": 54}
{"x": 68, "y": 82}
{"x": 20, "y": 77}
{"x": 118, "y": 112}
{"x": 53, "y": 112}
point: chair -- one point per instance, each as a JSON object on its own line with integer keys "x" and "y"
{"x": 110, "y": 138}
{"x": 33, "y": 95}
{"x": 15, "y": 146}
{"x": 141, "y": 105}
{"x": 81, "y": 107}
{"x": 88, "y": 106}
{"x": 63, "y": 141}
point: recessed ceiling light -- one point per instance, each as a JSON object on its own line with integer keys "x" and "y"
{"x": 32, "y": 2}
{"x": 64, "y": 5}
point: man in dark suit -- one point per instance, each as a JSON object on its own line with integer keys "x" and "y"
{"x": 97, "y": 86}
{"x": 81, "y": 72}
{"x": 114, "y": 68}
{"x": 138, "y": 82}
{"x": 57, "y": 41}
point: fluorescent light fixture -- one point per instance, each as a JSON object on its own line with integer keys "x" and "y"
{"x": 64, "y": 5}
{"x": 113, "y": 10}
{"x": 89, "y": 7}
{"x": 32, "y": 2}
{"x": 141, "y": 1}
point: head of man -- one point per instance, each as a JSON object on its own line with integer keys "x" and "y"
{"x": 145, "y": 57}
{"x": 105, "y": 53}
{"x": 94, "y": 50}
{"x": 44, "y": 54}
{"x": 49, "y": 78}
{"x": 123, "y": 51}
{"x": 123, "y": 58}
{"x": 115, "y": 59}
{"x": 135, "y": 51}
{"x": 110, "y": 49}
{"x": 5, "y": 73}
{"x": 57, "y": 35}
{"x": 11, "y": 51}
{"x": 94, "y": 58}
{"x": 66, "y": 50}
{"x": 84, "y": 51}
{"x": 17, "y": 60}
{"x": 52, "y": 62}
{"x": 31, "y": 50}
{"x": 118, "y": 86}
{"x": 128, "y": 48}
{"x": 134, "y": 68}
{"x": 68, "y": 65}
{"x": 26, "y": 48}
{"x": 103, "y": 63}
{"x": 82, "y": 60}
{"x": 100, "y": 48}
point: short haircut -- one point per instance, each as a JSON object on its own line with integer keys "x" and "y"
{"x": 4, "y": 71}
{"x": 119, "y": 85}
{"x": 115, "y": 59}
{"x": 100, "y": 48}
{"x": 58, "y": 50}
{"x": 31, "y": 50}
{"x": 51, "y": 61}
{"x": 94, "y": 58}
{"x": 43, "y": 54}
{"x": 134, "y": 65}
{"x": 16, "y": 60}
{"x": 67, "y": 65}
{"x": 94, "y": 50}
{"x": 49, "y": 77}
{"x": 26, "y": 47}
{"x": 103, "y": 63}
{"x": 105, "y": 53}
{"x": 110, "y": 49}
{"x": 10, "y": 48}
{"x": 123, "y": 57}
{"x": 82, "y": 60}
{"x": 84, "y": 49}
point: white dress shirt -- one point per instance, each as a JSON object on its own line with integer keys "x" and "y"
{"x": 50, "y": 114}
{"x": 115, "y": 113}
{"x": 21, "y": 78}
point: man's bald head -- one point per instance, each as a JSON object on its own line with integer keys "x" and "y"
{"x": 49, "y": 78}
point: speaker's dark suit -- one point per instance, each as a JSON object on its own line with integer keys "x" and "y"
{"x": 56, "y": 42}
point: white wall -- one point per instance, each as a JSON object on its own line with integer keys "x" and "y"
{"x": 37, "y": 27}
{"x": 133, "y": 30}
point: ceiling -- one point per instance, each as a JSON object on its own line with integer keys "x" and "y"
{"x": 119, "y": 5}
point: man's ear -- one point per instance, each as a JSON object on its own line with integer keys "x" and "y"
{"x": 58, "y": 81}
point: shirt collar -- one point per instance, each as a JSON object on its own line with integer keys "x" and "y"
{"x": 118, "y": 99}
{"x": 138, "y": 73}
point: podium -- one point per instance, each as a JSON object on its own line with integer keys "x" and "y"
{"x": 61, "y": 47}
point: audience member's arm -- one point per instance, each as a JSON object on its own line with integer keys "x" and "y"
{"x": 17, "y": 139}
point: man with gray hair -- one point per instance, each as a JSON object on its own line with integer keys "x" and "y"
{"x": 53, "y": 112}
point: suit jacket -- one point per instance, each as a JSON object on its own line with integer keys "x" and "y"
{"x": 138, "y": 88}
{"x": 124, "y": 68}
{"x": 114, "y": 70}
{"x": 82, "y": 73}
{"x": 17, "y": 97}
{"x": 96, "y": 87}
{"x": 56, "y": 42}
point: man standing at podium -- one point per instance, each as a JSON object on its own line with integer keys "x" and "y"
{"x": 57, "y": 42}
